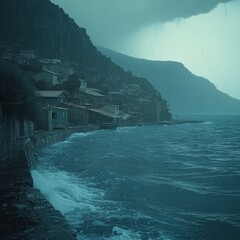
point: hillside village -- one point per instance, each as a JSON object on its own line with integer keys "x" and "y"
{"x": 65, "y": 99}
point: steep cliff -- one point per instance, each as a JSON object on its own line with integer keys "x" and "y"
{"x": 42, "y": 26}
{"x": 186, "y": 92}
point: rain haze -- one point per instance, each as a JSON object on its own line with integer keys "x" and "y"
{"x": 120, "y": 119}
{"x": 203, "y": 35}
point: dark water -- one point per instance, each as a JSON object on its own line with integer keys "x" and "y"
{"x": 151, "y": 182}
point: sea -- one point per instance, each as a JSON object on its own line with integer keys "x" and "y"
{"x": 166, "y": 182}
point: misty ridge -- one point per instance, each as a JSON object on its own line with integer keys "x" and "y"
{"x": 186, "y": 92}
{"x": 100, "y": 145}
{"x": 60, "y": 37}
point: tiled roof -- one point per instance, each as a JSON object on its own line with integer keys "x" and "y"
{"x": 105, "y": 113}
{"x": 51, "y": 72}
{"x": 69, "y": 104}
{"x": 53, "y": 94}
{"x": 60, "y": 108}
{"x": 89, "y": 91}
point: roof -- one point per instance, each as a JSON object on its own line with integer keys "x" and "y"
{"x": 49, "y": 94}
{"x": 105, "y": 113}
{"x": 143, "y": 100}
{"x": 27, "y": 51}
{"x": 51, "y": 72}
{"x": 91, "y": 92}
{"x": 117, "y": 93}
{"x": 69, "y": 104}
{"x": 59, "y": 108}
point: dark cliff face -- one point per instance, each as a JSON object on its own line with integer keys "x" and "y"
{"x": 41, "y": 25}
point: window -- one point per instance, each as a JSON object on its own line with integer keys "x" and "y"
{"x": 54, "y": 115}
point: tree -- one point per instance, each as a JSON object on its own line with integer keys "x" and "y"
{"x": 42, "y": 85}
{"x": 72, "y": 84}
{"x": 17, "y": 92}
{"x": 31, "y": 66}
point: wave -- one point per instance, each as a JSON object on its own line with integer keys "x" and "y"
{"x": 83, "y": 134}
{"x": 125, "y": 129}
{"x": 145, "y": 183}
{"x": 66, "y": 192}
{"x": 123, "y": 234}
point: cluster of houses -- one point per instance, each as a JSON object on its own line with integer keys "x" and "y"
{"x": 89, "y": 107}
{"x": 59, "y": 109}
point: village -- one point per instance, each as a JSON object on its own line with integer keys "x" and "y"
{"x": 65, "y": 100}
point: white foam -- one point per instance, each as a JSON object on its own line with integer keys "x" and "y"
{"x": 124, "y": 129}
{"x": 207, "y": 122}
{"x": 65, "y": 192}
{"x": 123, "y": 234}
{"x": 60, "y": 144}
{"x": 83, "y": 134}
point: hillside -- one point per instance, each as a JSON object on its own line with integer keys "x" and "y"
{"x": 44, "y": 27}
{"x": 186, "y": 92}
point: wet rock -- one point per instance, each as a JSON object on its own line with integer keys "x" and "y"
{"x": 24, "y": 213}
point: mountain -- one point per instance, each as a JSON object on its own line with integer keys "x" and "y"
{"x": 44, "y": 27}
{"x": 186, "y": 92}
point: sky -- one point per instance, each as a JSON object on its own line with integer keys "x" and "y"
{"x": 202, "y": 34}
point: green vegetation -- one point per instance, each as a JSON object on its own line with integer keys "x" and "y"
{"x": 72, "y": 84}
{"x": 17, "y": 92}
{"x": 32, "y": 66}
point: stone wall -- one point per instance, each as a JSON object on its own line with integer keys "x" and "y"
{"x": 34, "y": 144}
{"x": 9, "y": 133}
{"x": 27, "y": 215}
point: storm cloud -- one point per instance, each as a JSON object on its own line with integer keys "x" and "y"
{"x": 197, "y": 33}
{"x": 111, "y": 21}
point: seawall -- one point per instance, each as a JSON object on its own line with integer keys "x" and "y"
{"x": 34, "y": 144}
{"x": 24, "y": 212}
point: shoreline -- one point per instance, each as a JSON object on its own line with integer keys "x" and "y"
{"x": 34, "y": 144}
{"x": 21, "y": 200}
{"x": 25, "y": 213}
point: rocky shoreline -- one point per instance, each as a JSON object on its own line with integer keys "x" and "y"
{"x": 25, "y": 213}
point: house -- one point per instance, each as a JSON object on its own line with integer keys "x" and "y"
{"x": 77, "y": 115}
{"x": 83, "y": 85}
{"x": 108, "y": 116}
{"x": 48, "y": 76}
{"x": 59, "y": 117}
{"x": 29, "y": 54}
{"x": 49, "y": 61}
{"x": 51, "y": 98}
{"x": 53, "y": 117}
{"x": 133, "y": 89}
{"x": 63, "y": 70}
{"x": 92, "y": 96}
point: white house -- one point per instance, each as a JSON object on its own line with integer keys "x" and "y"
{"x": 29, "y": 54}
{"x": 48, "y": 76}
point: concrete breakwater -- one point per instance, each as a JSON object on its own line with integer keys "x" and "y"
{"x": 24, "y": 212}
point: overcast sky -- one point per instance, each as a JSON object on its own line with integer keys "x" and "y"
{"x": 202, "y": 34}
